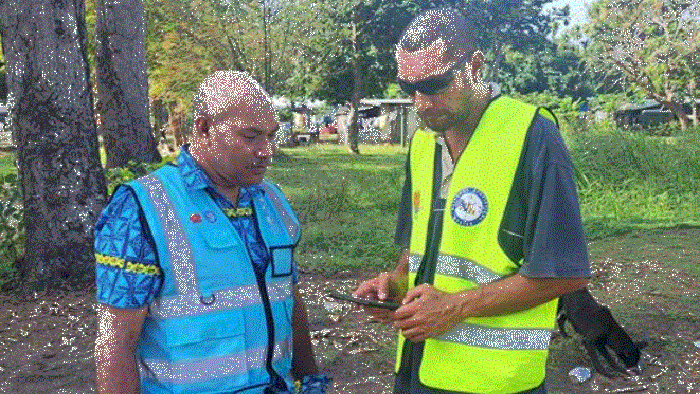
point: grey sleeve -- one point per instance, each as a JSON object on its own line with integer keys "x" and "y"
{"x": 554, "y": 243}
{"x": 402, "y": 237}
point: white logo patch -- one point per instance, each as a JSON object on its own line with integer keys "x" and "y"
{"x": 469, "y": 207}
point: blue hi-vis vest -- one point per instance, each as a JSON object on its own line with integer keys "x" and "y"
{"x": 208, "y": 330}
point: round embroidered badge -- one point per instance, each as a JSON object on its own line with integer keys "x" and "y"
{"x": 469, "y": 207}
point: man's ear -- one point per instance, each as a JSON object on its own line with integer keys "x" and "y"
{"x": 476, "y": 66}
{"x": 201, "y": 127}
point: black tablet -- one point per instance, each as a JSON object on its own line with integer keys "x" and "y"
{"x": 364, "y": 301}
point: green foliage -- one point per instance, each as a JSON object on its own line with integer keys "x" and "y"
{"x": 566, "y": 109}
{"x": 11, "y": 226}
{"x": 366, "y": 35}
{"x": 652, "y": 45}
{"x": 118, "y": 175}
{"x": 520, "y": 26}
{"x": 90, "y": 18}
{"x": 394, "y": 91}
{"x": 558, "y": 70}
{"x": 189, "y": 39}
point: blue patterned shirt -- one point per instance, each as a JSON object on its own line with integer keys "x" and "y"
{"x": 127, "y": 271}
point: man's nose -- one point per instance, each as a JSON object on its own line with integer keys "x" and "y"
{"x": 421, "y": 102}
{"x": 268, "y": 148}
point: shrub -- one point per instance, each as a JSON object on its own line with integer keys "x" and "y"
{"x": 11, "y": 226}
{"x": 118, "y": 175}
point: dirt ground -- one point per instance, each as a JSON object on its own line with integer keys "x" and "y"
{"x": 46, "y": 340}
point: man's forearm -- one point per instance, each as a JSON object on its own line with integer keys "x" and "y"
{"x": 117, "y": 336}
{"x": 116, "y": 370}
{"x": 514, "y": 294}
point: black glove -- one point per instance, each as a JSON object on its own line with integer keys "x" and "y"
{"x": 315, "y": 384}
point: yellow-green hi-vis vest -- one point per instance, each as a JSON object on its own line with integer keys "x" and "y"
{"x": 500, "y": 354}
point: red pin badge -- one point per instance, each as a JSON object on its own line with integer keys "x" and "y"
{"x": 195, "y": 218}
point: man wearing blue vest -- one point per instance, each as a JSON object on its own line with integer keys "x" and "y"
{"x": 196, "y": 281}
{"x": 489, "y": 222}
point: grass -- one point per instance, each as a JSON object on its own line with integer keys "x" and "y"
{"x": 7, "y": 163}
{"x": 346, "y": 203}
{"x": 630, "y": 181}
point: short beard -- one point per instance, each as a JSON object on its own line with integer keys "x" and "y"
{"x": 454, "y": 121}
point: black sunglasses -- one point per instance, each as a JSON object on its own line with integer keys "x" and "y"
{"x": 432, "y": 85}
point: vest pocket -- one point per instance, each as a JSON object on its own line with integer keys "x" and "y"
{"x": 200, "y": 354}
{"x": 281, "y": 260}
{"x": 220, "y": 238}
{"x": 205, "y": 335}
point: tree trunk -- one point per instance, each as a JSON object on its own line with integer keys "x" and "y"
{"x": 677, "y": 108}
{"x": 353, "y": 128}
{"x": 159, "y": 118}
{"x": 122, "y": 83}
{"x": 175, "y": 119}
{"x": 51, "y": 119}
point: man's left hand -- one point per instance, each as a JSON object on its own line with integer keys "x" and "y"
{"x": 427, "y": 313}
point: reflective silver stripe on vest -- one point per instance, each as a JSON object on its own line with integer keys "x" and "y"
{"x": 414, "y": 262}
{"x": 179, "y": 250}
{"x": 498, "y": 338}
{"x": 211, "y": 368}
{"x": 237, "y": 297}
{"x": 457, "y": 267}
{"x": 289, "y": 223}
{"x": 465, "y": 269}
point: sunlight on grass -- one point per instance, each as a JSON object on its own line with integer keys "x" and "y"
{"x": 7, "y": 164}
{"x": 347, "y": 204}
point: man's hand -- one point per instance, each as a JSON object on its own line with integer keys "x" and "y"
{"x": 385, "y": 286}
{"x": 427, "y": 313}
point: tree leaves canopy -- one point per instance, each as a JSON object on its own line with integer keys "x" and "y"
{"x": 653, "y": 44}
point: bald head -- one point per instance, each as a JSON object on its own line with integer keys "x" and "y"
{"x": 223, "y": 91}
{"x": 234, "y": 130}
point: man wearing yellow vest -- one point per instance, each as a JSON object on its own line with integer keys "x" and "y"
{"x": 489, "y": 221}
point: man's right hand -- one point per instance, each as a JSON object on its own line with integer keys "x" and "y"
{"x": 386, "y": 286}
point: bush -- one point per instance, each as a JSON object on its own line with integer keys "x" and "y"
{"x": 11, "y": 226}
{"x": 117, "y": 176}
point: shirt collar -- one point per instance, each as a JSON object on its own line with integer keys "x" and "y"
{"x": 196, "y": 178}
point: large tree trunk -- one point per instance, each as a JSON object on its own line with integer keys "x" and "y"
{"x": 51, "y": 119}
{"x": 122, "y": 84}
